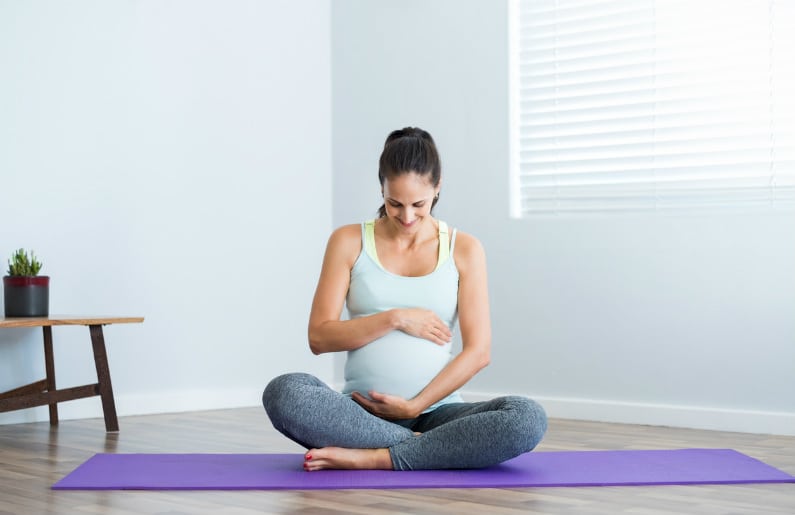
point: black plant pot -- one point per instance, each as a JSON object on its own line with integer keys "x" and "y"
{"x": 26, "y": 296}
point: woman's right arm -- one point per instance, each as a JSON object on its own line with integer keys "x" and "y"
{"x": 327, "y": 333}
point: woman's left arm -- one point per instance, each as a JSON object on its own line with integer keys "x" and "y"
{"x": 475, "y": 325}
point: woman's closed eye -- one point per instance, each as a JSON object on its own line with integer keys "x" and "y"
{"x": 398, "y": 204}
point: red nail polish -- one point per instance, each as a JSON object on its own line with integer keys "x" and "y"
{"x": 308, "y": 457}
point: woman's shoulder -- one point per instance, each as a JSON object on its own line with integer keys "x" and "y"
{"x": 468, "y": 251}
{"x": 466, "y": 242}
{"x": 347, "y": 232}
{"x": 346, "y": 241}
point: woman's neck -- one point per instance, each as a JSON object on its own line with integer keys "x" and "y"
{"x": 428, "y": 229}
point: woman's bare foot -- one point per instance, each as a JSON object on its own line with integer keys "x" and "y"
{"x": 340, "y": 458}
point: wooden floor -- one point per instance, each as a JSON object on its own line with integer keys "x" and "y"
{"x": 34, "y": 456}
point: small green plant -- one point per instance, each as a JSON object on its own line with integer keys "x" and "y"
{"x": 21, "y": 264}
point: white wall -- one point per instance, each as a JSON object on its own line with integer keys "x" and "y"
{"x": 672, "y": 320}
{"x": 171, "y": 160}
{"x": 148, "y": 147}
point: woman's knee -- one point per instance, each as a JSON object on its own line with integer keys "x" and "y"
{"x": 281, "y": 390}
{"x": 531, "y": 422}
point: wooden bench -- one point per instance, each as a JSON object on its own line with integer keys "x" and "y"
{"x": 44, "y": 391}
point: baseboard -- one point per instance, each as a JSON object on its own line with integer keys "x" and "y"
{"x": 143, "y": 404}
{"x": 716, "y": 419}
{"x": 694, "y": 417}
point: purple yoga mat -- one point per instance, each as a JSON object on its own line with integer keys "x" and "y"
{"x": 285, "y": 472}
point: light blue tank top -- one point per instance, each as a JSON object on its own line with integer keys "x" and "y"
{"x": 397, "y": 363}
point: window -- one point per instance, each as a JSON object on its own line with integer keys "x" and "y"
{"x": 643, "y": 105}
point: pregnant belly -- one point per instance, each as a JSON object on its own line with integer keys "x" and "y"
{"x": 396, "y": 364}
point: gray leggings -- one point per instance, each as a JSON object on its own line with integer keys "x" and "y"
{"x": 454, "y": 436}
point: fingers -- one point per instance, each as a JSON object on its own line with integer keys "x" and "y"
{"x": 384, "y": 405}
{"x": 372, "y": 406}
{"x": 438, "y": 334}
{"x": 447, "y": 334}
{"x": 437, "y": 331}
{"x": 427, "y": 325}
{"x": 380, "y": 397}
{"x": 361, "y": 400}
{"x": 441, "y": 335}
{"x": 371, "y": 401}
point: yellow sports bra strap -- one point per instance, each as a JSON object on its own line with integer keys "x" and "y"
{"x": 444, "y": 244}
{"x": 369, "y": 241}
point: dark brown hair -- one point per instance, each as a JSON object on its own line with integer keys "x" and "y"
{"x": 409, "y": 150}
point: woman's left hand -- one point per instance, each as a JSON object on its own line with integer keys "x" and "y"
{"x": 388, "y": 407}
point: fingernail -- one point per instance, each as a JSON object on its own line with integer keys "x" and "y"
{"x": 308, "y": 456}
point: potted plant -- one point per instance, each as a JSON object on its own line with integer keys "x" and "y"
{"x": 26, "y": 293}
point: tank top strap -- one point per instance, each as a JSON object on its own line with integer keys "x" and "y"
{"x": 452, "y": 241}
{"x": 444, "y": 244}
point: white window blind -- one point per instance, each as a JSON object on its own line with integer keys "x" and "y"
{"x": 652, "y": 105}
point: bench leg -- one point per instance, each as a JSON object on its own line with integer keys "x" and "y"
{"x": 49, "y": 366}
{"x": 103, "y": 378}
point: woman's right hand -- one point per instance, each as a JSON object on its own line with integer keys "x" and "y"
{"x": 425, "y": 324}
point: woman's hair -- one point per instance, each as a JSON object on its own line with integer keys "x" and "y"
{"x": 409, "y": 150}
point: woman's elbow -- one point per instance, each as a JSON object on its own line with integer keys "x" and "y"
{"x": 485, "y": 360}
{"x": 315, "y": 343}
{"x": 482, "y": 359}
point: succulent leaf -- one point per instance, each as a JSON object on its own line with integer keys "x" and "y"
{"x": 21, "y": 264}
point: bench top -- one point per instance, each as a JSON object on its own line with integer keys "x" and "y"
{"x": 67, "y": 320}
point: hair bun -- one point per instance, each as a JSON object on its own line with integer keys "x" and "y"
{"x": 410, "y": 132}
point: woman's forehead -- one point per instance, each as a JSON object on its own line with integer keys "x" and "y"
{"x": 408, "y": 180}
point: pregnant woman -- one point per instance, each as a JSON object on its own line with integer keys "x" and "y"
{"x": 407, "y": 279}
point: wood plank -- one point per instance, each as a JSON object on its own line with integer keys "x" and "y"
{"x": 40, "y": 399}
{"x": 49, "y": 367}
{"x": 103, "y": 378}
{"x": 54, "y": 320}
{"x": 37, "y": 387}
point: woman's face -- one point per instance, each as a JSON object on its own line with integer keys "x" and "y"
{"x": 408, "y": 198}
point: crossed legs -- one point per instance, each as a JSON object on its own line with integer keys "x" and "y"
{"x": 339, "y": 433}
